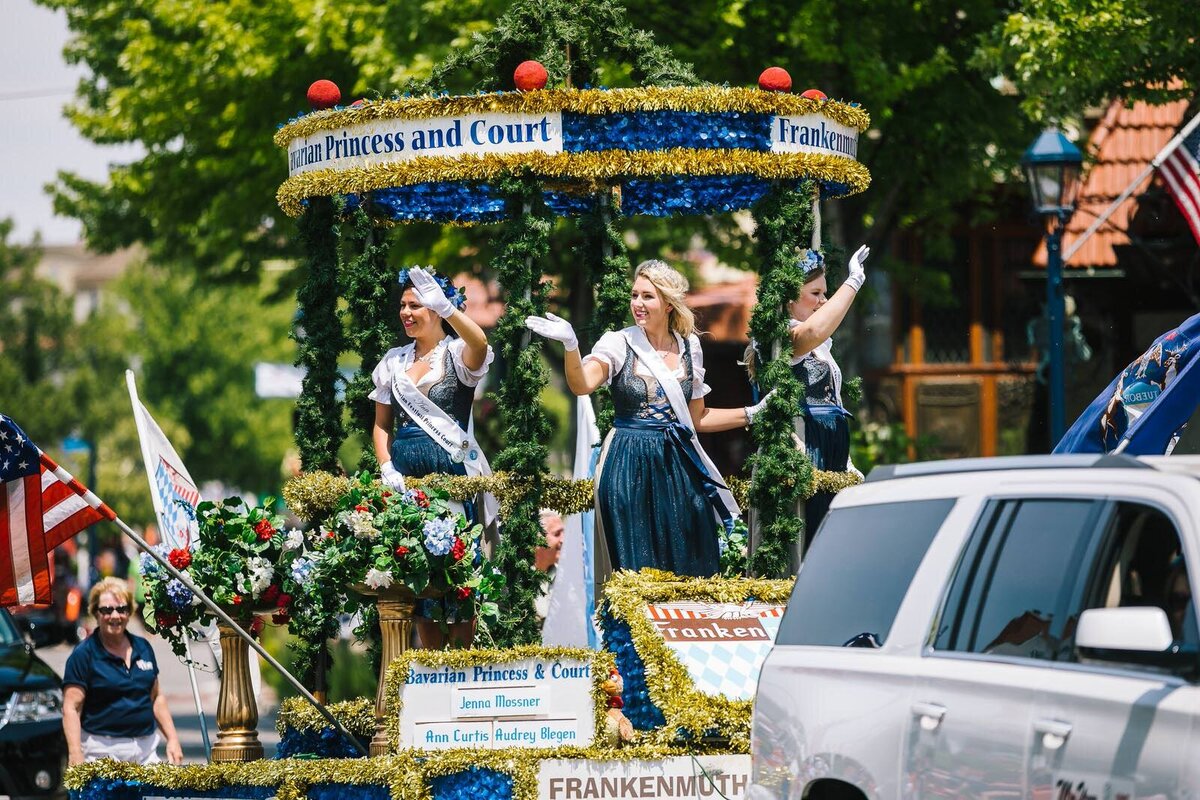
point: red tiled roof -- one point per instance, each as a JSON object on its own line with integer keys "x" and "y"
{"x": 1123, "y": 144}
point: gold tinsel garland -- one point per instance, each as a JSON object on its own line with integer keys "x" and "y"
{"x": 591, "y": 168}
{"x": 407, "y": 775}
{"x": 668, "y": 682}
{"x": 397, "y": 675}
{"x": 313, "y": 495}
{"x": 358, "y": 716}
{"x": 710, "y": 99}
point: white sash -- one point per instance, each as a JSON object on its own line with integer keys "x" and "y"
{"x": 670, "y": 386}
{"x": 444, "y": 431}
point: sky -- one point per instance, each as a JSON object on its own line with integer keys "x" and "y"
{"x": 36, "y": 141}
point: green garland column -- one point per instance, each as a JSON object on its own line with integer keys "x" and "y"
{"x": 781, "y": 472}
{"x": 608, "y": 270}
{"x": 366, "y": 280}
{"x": 524, "y": 243}
{"x": 319, "y": 431}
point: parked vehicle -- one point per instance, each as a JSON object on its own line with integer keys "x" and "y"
{"x": 987, "y": 628}
{"x": 33, "y": 751}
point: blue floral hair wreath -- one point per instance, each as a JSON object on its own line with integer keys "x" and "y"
{"x": 454, "y": 294}
{"x": 810, "y": 260}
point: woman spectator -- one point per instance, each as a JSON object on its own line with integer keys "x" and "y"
{"x": 111, "y": 698}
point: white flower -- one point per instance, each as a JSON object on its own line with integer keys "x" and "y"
{"x": 294, "y": 539}
{"x": 360, "y": 523}
{"x": 378, "y": 578}
{"x": 261, "y": 572}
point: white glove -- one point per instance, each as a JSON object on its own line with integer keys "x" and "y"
{"x": 556, "y": 328}
{"x": 430, "y": 293}
{"x": 753, "y": 410}
{"x": 391, "y": 478}
{"x": 858, "y": 275}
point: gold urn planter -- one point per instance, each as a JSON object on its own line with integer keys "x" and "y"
{"x": 237, "y": 708}
{"x": 396, "y": 605}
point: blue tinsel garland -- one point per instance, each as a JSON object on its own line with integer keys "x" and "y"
{"x": 661, "y": 130}
{"x": 325, "y": 743}
{"x": 345, "y": 791}
{"x": 474, "y": 784}
{"x": 116, "y": 789}
{"x": 640, "y": 710}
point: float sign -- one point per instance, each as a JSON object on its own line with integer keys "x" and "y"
{"x": 528, "y": 703}
{"x": 677, "y": 778}
{"x": 722, "y": 645}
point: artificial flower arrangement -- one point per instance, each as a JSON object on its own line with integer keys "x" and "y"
{"x": 243, "y": 559}
{"x": 377, "y": 540}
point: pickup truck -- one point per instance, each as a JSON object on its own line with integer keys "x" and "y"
{"x": 1017, "y": 627}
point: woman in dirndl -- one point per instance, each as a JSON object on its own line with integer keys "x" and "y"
{"x": 660, "y": 499}
{"x": 423, "y": 395}
{"x": 822, "y": 424}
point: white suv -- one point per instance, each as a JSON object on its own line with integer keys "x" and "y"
{"x": 993, "y": 628}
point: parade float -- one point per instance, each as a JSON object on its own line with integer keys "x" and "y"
{"x": 663, "y": 709}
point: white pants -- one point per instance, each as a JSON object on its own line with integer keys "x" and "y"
{"x": 136, "y": 750}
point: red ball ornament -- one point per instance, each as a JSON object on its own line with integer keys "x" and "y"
{"x": 530, "y": 75}
{"x": 324, "y": 94}
{"x": 359, "y": 103}
{"x": 814, "y": 94}
{"x": 775, "y": 79}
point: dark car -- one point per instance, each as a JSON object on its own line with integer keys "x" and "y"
{"x": 33, "y": 751}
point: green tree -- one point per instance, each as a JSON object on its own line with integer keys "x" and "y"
{"x": 202, "y": 85}
{"x": 1065, "y": 55}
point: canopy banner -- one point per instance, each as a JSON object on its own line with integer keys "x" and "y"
{"x": 1145, "y": 408}
{"x": 382, "y": 141}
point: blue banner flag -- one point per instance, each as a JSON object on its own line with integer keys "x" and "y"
{"x": 1148, "y": 404}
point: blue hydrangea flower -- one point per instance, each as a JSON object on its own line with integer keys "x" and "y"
{"x": 180, "y": 595}
{"x": 439, "y": 536}
{"x": 302, "y": 568}
{"x": 151, "y": 568}
{"x": 811, "y": 260}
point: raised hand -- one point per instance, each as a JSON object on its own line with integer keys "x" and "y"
{"x": 556, "y": 328}
{"x": 430, "y": 293}
{"x": 858, "y": 275}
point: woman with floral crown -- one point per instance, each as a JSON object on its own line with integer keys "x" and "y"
{"x": 423, "y": 395}
{"x": 660, "y": 498}
{"x": 822, "y": 421}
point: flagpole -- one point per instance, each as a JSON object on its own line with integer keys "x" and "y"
{"x": 1155, "y": 164}
{"x": 92, "y": 500}
{"x": 187, "y": 644}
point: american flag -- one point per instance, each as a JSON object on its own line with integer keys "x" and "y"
{"x": 1181, "y": 171}
{"x": 41, "y": 506}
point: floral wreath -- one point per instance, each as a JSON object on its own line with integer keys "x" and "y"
{"x": 811, "y": 260}
{"x": 456, "y": 295}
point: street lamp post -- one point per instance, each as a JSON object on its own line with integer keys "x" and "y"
{"x": 1052, "y": 165}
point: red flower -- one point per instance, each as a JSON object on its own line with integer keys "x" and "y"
{"x": 463, "y": 592}
{"x": 264, "y": 530}
{"x": 401, "y": 551}
{"x": 281, "y": 618}
{"x": 165, "y": 619}
{"x": 256, "y": 626}
{"x": 180, "y": 557}
{"x": 361, "y": 507}
{"x": 421, "y": 499}
{"x": 386, "y": 493}
{"x": 458, "y": 549}
{"x": 237, "y": 600}
{"x": 271, "y": 593}
{"x": 284, "y": 600}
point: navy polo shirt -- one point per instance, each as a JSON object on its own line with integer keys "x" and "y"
{"x": 116, "y": 700}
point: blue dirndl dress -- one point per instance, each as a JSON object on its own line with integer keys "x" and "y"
{"x": 413, "y": 451}
{"x": 652, "y": 501}
{"x": 826, "y": 427}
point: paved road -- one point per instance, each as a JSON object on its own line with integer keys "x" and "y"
{"x": 173, "y": 681}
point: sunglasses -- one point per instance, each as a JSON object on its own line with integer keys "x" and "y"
{"x": 104, "y": 611}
